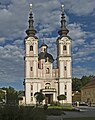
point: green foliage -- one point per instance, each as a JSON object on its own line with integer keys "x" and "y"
{"x": 12, "y": 96}
{"x": 39, "y": 97}
{"x": 66, "y": 108}
{"x": 21, "y": 113}
{"x": 61, "y": 97}
{"x": 86, "y": 79}
{"x": 2, "y": 96}
{"x": 77, "y": 83}
{"x": 45, "y": 106}
{"x": 55, "y": 103}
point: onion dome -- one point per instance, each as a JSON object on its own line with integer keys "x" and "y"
{"x": 45, "y": 55}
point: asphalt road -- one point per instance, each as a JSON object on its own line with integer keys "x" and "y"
{"x": 85, "y": 111}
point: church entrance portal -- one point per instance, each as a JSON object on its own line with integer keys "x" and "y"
{"x": 49, "y": 98}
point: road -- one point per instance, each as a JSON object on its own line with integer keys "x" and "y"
{"x": 85, "y": 111}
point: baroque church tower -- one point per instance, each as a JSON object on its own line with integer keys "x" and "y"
{"x": 39, "y": 72}
{"x": 64, "y": 60}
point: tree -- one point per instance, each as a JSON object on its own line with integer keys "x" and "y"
{"x": 76, "y": 84}
{"x": 12, "y": 96}
{"x": 61, "y": 97}
{"x": 39, "y": 97}
{"x": 86, "y": 79}
{"x": 2, "y": 95}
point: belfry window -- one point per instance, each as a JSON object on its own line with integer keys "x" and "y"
{"x": 47, "y": 71}
{"x": 31, "y": 48}
{"x": 44, "y": 49}
{"x": 64, "y": 47}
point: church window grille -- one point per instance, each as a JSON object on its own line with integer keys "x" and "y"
{"x": 31, "y": 48}
{"x": 64, "y": 47}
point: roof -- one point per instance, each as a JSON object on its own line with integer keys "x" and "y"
{"x": 43, "y": 44}
{"x": 45, "y": 55}
{"x": 91, "y": 84}
{"x": 60, "y": 37}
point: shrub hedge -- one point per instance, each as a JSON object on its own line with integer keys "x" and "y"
{"x": 21, "y": 113}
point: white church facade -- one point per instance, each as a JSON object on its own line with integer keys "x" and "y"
{"x": 39, "y": 72}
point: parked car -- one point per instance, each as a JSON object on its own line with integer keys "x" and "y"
{"x": 83, "y": 104}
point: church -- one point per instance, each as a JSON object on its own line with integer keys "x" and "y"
{"x": 40, "y": 75}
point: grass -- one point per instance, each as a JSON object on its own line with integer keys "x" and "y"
{"x": 65, "y": 108}
{"x": 61, "y": 107}
{"x": 84, "y": 118}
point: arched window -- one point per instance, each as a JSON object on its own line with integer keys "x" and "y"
{"x": 47, "y": 86}
{"x": 65, "y": 93}
{"x": 64, "y": 47}
{"x": 31, "y": 94}
{"x": 31, "y": 87}
{"x": 44, "y": 49}
{"x": 31, "y": 68}
{"x": 65, "y": 68}
{"x": 47, "y": 71}
{"x": 31, "y": 48}
{"x": 65, "y": 87}
{"x": 42, "y": 66}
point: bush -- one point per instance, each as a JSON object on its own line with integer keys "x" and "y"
{"x": 45, "y": 107}
{"x": 21, "y": 113}
{"x": 55, "y": 103}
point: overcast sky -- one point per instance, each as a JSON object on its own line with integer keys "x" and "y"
{"x": 80, "y": 16}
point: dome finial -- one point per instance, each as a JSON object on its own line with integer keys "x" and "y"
{"x": 62, "y": 7}
{"x": 63, "y": 31}
{"x": 30, "y": 7}
{"x": 31, "y": 31}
